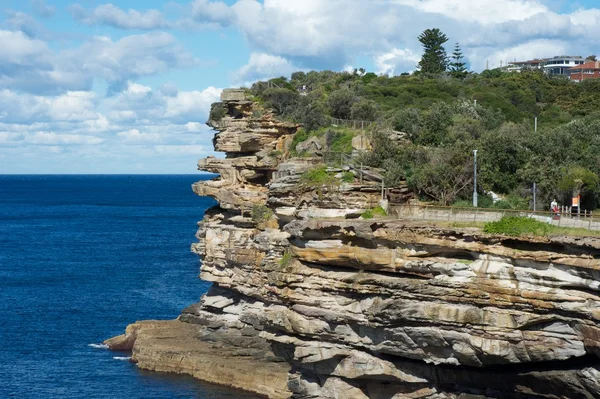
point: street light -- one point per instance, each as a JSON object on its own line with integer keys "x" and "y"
{"x": 475, "y": 178}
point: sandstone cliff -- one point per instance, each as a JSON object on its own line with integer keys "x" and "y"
{"x": 311, "y": 301}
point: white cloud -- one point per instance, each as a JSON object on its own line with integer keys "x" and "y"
{"x": 212, "y": 11}
{"x": 526, "y": 51}
{"x": 481, "y": 11}
{"x": 30, "y": 64}
{"x": 18, "y": 48}
{"x": 194, "y": 127}
{"x": 180, "y": 149}
{"x": 132, "y": 56}
{"x": 51, "y": 138}
{"x": 396, "y": 60}
{"x": 134, "y": 136}
{"x": 263, "y": 66}
{"x": 333, "y": 33}
{"x": 108, "y": 14}
{"x": 141, "y": 103}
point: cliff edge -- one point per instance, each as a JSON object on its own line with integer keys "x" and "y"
{"x": 311, "y": 301}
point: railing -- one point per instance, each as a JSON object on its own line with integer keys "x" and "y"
{"x": 586, "y": 220}
{"x": 352, "y": 124}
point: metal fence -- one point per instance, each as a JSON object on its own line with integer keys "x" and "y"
{"x": 352, "y": 124}
{"x": 585, "y": 220}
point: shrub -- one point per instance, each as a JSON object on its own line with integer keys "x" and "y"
{"x": 517, "y": 226}
{"x": 283, "y": 101}
{"x": 318, "y": 178}
{"x": 372, "y": 213}
{"x": 341, "y": 102}
{"x": 368, "y": 214}
{"x": 347, "y": 177}
{"x": 217, "y": 112}
{"x": 379, "y": 211}
{"x": 261, "y": 213}
{"x": 339, "y": 141}
{"x": 365, "y": 110}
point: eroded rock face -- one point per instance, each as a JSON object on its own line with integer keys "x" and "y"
{"x": 313, "y": 302}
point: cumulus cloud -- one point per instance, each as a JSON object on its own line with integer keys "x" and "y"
{"x": 334, "y": 33}
{"x": 263, "y": 66}
{"x": 51, "y": 138}
{"x": 71, "y": 106}
{"x": 212, "y": 11}
{"x": 132, "y": 56}
{"x": 134, "y": 136}
{"x": 480, "y": 11}
{"x": 164, "y": 133}
{"x": 108, "y": 14}
{"x": 396, "y": 60}
{"x": 30, "y": 64}
{"x": 139, "y": 103}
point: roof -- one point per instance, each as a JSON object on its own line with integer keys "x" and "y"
{"x": 587, "y": 65}
{"x": 528, "y": 62}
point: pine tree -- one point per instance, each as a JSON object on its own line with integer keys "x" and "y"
{"x": 457, "y": 66}
{"x": 434, "y": 58}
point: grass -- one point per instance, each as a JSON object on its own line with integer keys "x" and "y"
{"x": 375, "y": 212}
{"x": 517, "y": 226}
{"x": 336, "y": 139}
{"x": 552, "y": 230}
{"x": 347, "y": 177}
{"x": 261, "y": 213}
{"x": 286, "y": 259}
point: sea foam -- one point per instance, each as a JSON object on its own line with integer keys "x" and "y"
{"x": 98, "y": 346}
{"x": 122, "y": 358}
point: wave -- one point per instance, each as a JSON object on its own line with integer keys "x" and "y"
{"x": 122, "y": 358}
{"x": 98, "y": 346}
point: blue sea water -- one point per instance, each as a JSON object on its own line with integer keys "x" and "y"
{"x": 80, "y": 258}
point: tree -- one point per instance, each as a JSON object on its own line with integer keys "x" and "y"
{"x": 283, "y": 101}
{"x": 434, "y": 58}
{"x": 457, "y": 66}
{"x": 442, "y": 174}
{"x": 365, "y": 110}
{"x": 341, "y": 102}
{"x": 591, "y": 57}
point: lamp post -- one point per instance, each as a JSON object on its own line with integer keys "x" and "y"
{"x": 475, "y": 178}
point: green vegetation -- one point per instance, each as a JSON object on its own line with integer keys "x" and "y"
{"x": 378, "y": 211}
{"x": 319, "y": 178}
{"x": 523, "y": 226}
{"x": 347, "y": 177}
{"x": 217, "y": 112}
{"x": 286, "y": 259}
{"x": 517, "y": 226}
{"x": 334, "y": 139}
{"x": 434, "y": 58}
{"x": 447, "y": 115}
{"x": 261, "y": 214}
{"x": 458, "y": 68}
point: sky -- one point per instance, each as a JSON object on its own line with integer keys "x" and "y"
{"x": 88, "y": 86}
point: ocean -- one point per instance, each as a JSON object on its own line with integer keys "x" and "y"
{"x": 81, "y": 257}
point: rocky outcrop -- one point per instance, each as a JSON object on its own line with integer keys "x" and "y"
{"x": 310, "y": 300}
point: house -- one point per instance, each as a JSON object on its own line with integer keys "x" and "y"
{"x": 561, "y": 65}
{"x": 518, "y": 66}
{"x": 553, "y": 66}
{"x": 589, "y": 70}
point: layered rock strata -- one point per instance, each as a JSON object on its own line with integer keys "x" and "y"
{"x": 311, "y": 301}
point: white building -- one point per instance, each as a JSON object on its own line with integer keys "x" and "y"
{"x": 560, "y": 65}
{"x": 553, "y": 66}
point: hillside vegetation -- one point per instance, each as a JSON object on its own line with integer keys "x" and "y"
{"x": 445, "y": 118}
